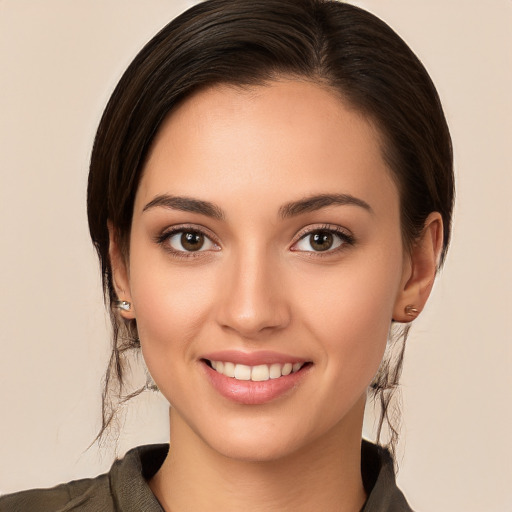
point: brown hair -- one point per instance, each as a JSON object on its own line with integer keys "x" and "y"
{"x": 246, "y": 42}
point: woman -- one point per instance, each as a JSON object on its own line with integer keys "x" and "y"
{"x": 270, "y": 196}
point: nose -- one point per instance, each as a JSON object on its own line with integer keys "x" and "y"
{"x": 253, "y": 299}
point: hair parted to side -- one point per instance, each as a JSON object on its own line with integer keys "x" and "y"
{"x": 252, "y": 42}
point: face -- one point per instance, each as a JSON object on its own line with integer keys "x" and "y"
{"x": 265, "y": 265}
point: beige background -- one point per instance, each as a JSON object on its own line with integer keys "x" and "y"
{"x": 59, "y": 60}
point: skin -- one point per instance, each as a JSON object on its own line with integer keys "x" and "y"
{"x": 260, "y": 285}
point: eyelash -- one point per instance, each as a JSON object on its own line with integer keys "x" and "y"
{"x": 346, "y": 240}
{"x": 164, "y": 238}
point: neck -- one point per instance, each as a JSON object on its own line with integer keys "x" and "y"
{"x": 325, "y": 475}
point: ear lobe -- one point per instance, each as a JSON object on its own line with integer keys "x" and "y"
{"x": 421, "y": 271}
{"x": 120, "y": 274}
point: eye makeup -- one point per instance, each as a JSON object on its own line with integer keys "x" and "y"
{"x": 192, "y": 241}
{"x": 195, "y": 241}
{"x": 327, "y": 239}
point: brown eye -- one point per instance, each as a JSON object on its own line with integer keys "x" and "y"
{"x": 321, "y": 240}
{"x": 192, "y": 241}
{"x": 189, "y": 241}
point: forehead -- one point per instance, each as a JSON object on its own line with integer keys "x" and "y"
{"x": 292, "y": 138}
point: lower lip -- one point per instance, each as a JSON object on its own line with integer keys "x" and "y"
{"x": 248, "y": 392}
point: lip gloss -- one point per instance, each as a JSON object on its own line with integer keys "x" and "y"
{"x": 253, "y": 393}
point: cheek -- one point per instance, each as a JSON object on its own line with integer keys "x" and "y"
{"x": 167, "y": 305}
{"x": 168, "y": 320}
{"x": 172, "y": 311}
{"x": 351, "y": 316}
{"x": 171, "y": 308}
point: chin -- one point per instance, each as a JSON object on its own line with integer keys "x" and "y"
{"x": 252, "y": 449}
{"x": 266, "y": 439}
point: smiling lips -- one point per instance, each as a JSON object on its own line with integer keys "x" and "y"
{"x": 253, "y": 379}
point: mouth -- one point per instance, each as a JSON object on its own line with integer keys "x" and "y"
{"x": 258, "y": 373}
{"x": 254, "y": 379}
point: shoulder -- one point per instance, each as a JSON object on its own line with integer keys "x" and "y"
{"x": 378, "y": 473}
{"x": 88, "y": 494}
{"x": 124, "y": 488}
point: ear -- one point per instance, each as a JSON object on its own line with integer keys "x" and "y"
{"x": 420, "y": 272}
{"x": 120, "y": 273}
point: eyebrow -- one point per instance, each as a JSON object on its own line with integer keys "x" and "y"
{"x": 186, "y": 204}
{"x": 317, "y": 202}
{"x": 292, "y": 209}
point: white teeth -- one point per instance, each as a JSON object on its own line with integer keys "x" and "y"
{"x": 229, "y": 369}
{"x": 242, "y": 372}
{"x": 287, "y": 369}
{"x": 260, "y": 373}
{"x": 257, "y": 373}
{"x": 275, "y": 371}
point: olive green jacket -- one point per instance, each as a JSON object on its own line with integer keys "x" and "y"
{"x": 124, "y": 488}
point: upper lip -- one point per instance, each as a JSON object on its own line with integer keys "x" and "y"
{"x": 253, "y": 358}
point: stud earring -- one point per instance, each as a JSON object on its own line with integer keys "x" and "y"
{"x": 123, "y": 304}
{"x": 410, "y": 310}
